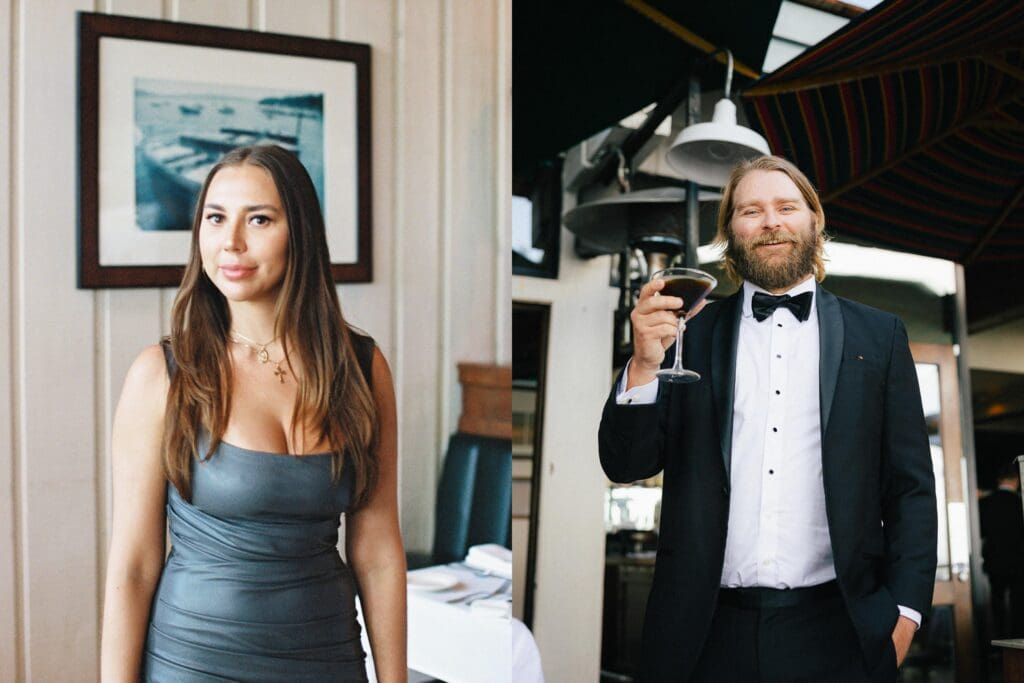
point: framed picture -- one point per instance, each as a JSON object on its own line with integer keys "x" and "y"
{"x": 159, "y": 103}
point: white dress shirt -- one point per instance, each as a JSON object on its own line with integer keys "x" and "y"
{"x": 778, "y": 530}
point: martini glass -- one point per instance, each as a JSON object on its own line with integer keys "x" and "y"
{"x": 690, "y": 285}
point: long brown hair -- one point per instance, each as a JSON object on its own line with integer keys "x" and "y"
{"x": 333, "y": 396}
{"x": 727, "y": 206}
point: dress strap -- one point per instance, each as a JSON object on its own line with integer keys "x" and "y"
{"x": 363, "y": 347}
{"x": 172, "y": 367}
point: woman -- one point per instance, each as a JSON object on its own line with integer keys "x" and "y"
{"x": 255, "y": 447}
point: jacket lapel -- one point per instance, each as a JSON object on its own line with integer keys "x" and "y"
{"x": 830, "y": 344}
{"x": 724, "y": 337}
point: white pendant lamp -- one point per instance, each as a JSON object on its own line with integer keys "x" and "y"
{"x": 707, "y": 152}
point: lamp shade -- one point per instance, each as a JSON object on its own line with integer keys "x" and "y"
{"x": 643, "y": 219}
{"x": 707, "y": 152}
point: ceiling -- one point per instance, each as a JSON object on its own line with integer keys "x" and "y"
{"x": 998, "y": 399}
{"x": 579, "y": 67}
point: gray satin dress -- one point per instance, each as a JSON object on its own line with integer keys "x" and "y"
{"x": 254, "y": 588}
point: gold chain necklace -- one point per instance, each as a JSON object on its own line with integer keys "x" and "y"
{"x": 262, "y": 355}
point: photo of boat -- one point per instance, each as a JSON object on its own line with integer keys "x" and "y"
{"x": 177, "y": 166}
{"x": 182, "y": 130}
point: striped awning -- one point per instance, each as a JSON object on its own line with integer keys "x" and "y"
{"x": 910, "y": 121}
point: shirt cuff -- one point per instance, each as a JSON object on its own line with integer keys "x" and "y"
{"x": 911, "y": 614}
{"x": 645, "y": 394}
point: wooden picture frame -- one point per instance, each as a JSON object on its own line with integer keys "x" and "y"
{"x": 160, "y": 101}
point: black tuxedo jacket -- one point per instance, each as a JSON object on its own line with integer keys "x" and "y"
{"x": 876, "y": 468}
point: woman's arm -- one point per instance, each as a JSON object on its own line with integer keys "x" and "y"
{"x": 374, "y": 544}
{"x": 138, "y": 530}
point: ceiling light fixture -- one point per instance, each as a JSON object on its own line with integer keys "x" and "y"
{"x": 707, "y": 152}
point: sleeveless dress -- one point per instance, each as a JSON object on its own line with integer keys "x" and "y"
{"x": 254, "y": 588}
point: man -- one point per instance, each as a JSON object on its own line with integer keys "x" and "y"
{"x": 798, "y": 519}
{"x": 1002, "y": 550}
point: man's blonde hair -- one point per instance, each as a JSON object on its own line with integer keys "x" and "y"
{"x": 727, "y": 206}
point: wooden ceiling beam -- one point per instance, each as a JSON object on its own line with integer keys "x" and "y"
{"x": 687, "y": 36}
{"x": 837, "y": 7}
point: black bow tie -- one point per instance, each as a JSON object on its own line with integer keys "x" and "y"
{"x": 765, "y": 304}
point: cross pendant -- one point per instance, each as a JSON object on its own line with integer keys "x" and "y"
{"x": 280, "y": 374}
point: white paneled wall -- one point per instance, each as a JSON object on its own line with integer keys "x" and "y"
{"x": 9, "y": 594}
{"x": 441, "y": 154}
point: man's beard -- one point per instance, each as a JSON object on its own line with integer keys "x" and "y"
{"x": 774, "y": 273}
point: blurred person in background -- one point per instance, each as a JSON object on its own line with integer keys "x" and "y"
{"x": 1002, "y": 551}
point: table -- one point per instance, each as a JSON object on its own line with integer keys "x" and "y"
{"x": 450, "y": 640}
{"x": 1013, "y": 659}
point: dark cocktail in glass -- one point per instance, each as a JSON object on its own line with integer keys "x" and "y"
{"x": 690, "y": 285}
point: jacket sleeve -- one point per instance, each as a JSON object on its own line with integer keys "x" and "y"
{"x": 908, "y": 492}
{"x": 631, "y": 438}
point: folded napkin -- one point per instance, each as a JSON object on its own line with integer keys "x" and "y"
{"x": 497, "y": 606}
{"x": 491, "y": 558}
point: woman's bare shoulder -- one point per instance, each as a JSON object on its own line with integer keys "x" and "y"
{"x": 380, "y": 364}
{"x": 147, "y": 380}
{"x": 150, "y": 364}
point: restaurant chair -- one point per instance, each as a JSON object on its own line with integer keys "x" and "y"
{"x": 474, "y": 499}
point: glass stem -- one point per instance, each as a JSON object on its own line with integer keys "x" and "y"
{"x": 680, "y": 326}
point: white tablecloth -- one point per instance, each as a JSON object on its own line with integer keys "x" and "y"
{"x": 451, "y": 641}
